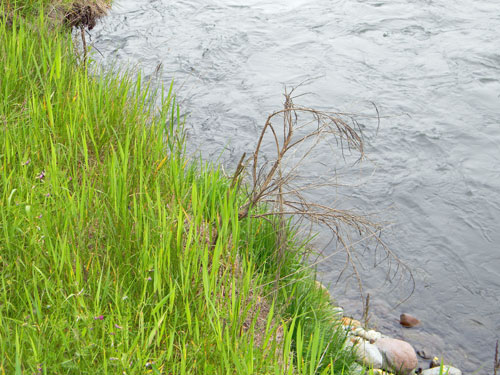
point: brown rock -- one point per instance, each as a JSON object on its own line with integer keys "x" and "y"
{"x": 350, "y": 322}
{"x": 399, "y": 356}
{"x": 407, "y": 320}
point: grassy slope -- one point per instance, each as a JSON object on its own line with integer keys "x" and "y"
{"x": 31, "y": 7}
{"x": 116, "y": 254}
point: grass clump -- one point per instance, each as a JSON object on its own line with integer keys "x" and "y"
{"x": 117, "y": 255}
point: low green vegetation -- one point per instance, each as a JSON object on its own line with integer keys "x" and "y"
{"x": 120, "y": 256}
{"x": 31, "y": 7}
{"x": 73, "y": 13}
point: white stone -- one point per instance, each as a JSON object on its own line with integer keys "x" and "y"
{"x": 347, "y": 344}
{"x": 373, "y": 335}
{"x": 357, "y": 369}
{"x": 359, "y": 331}
{"x": 447, "y": 370}
{"x": 368, "y": 354}
{"x": 370, "y": 335}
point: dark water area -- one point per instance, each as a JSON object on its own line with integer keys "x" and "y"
{"x": 433, "y": 70}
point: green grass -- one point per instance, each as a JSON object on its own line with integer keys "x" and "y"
{"x": 31, "y": 7}
{"x": 120, "y": 256}
{"x": 54, "y": 9}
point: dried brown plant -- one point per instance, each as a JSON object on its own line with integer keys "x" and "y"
{"x": 295, "y": 132}
{"x": 84, "y": 13}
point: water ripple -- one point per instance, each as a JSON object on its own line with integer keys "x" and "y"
{"x": 432, "y": 67}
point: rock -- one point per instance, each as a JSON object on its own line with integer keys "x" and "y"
{"x": 436, "y": 362}
{"x": 423, "y": 354}
{"x": 359, "y": 331}
{"x": 373, "y": 336}
{"x": 370, "y": 335}
{"x": 368, "y": 354}
{"x": 399, "y": 356}
{"x": 407, "y": 320}
{"x": 350, "y": 342}
{"x": 381, "y": 372}
{"x": 357, "y": 369}
{"x": 350, "y": 322}
{"x": 447, "y": 370}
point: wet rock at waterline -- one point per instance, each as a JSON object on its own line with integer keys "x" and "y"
{"x": 399, "y": 356}
{"x": 368, "y": 354}
{"x": 423, "y": 353}
{"x": 408, "y": 321}
{"x": 447, "y": 370}
{"x": 431, "y": 343}
{"x": 436, "y": 362}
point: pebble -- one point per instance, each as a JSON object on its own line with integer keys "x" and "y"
{"x": 447, "y": 370}
{"x": 381, "y": 372}
{"x": 350, "y": 322}
{"x": 358, "y": 331}
{"x": 357, "y": 369}
{"x": 407, "y": 320}
{"x": 368, "y": 354}
{"x": 349, "y": 343}
{"x": 372, "y": 335}
{"x": 423, "y": 354}
{"x": 399, "y": 356}
{"x": 436, "y": 362}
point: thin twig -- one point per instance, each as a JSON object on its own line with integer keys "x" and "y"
{"x": 496, "y": 364}
{"x": 84, "y": 43}
{"x": 366, "y": 311}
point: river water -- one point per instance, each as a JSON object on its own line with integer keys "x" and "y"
{"x": 432, "y": 67}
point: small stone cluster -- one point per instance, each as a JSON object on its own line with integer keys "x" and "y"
{"x": 386, "y": 355}
{"x": 383, "y": 354}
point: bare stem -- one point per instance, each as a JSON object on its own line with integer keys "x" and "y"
{"x": 496, "y": 364}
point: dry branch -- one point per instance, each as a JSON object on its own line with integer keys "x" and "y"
{"x": 272, "y": 182}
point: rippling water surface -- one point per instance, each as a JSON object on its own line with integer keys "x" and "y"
{"x": 433, "y": 70}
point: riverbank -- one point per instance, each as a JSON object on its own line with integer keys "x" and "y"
{"x": 70, "y": 13}
{"x": 119, "y": 255}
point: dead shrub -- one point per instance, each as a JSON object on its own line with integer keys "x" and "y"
{"x": 294, "y": 133}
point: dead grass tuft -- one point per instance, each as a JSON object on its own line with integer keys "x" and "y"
{"x": 85, "y": 13}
